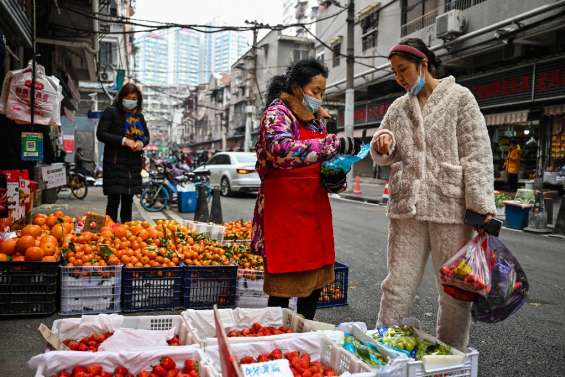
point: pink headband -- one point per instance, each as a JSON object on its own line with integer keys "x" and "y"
{"x": 405, "y": 49}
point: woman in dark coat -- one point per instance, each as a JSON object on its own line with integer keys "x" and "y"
{"x": 123, "y": 131}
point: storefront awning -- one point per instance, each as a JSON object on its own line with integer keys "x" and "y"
{"x": 555, "y": 110}
{"x": 513, "y": 117}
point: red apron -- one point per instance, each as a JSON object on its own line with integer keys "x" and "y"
{"x": 297, "y": 218}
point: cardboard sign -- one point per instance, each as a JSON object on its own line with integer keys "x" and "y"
{"x": 51, "y": 338}
{"x": 54, "y": 175}
{"x": 274, "y": 368}
{"x": 93, "y": 222}
{"x": 228, "y": 363}
{"x": 32, "y": 146}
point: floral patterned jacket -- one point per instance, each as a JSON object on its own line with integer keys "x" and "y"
{"x": 278, "y": 147}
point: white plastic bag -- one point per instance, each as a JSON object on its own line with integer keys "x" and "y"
{"x": 76, "y": 328}
{"x": 136, "y": 339}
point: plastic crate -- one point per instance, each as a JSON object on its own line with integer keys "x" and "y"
{"x": 516, "y": 216}
{"x": 250, "y": 290}
{"x": 206, "y": 286}
{"x": 140, "y": 322}
{"x": 470, "y": 368}
{"x": 28, "y": 288}
{"x": 335, "y": 294}
{"x": 152, "y": 288}
{"x": 187, "y": 201}
{"x": 46, "y": 365}
{"x": 90, "y": 289}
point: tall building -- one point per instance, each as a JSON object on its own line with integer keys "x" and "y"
{"x": 228, "y": 47}
{"x": 185, "y": 56}
{"x": 152, "y": 58}
{"x": 299, "y": 11}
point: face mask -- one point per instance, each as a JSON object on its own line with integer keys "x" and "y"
{"x": 417, "y": 87}
{"x": 312, "y": 103}
{"x": 129, "y": 104}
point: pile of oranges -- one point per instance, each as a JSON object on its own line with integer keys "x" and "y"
{"x": 238, "y": 230}
{"x": 40, "y": 241}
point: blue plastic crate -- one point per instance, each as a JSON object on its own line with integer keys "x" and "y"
{"x": 335, "y": 294}
{"x": 516, "y": 217}
{"x": 187, "y": 201}
{"x": 206, "y": 286}
{"x": 152, "y": 288}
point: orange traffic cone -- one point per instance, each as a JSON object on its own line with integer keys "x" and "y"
{"x": 357, "y": 187}
{"x": 386, "y": 194}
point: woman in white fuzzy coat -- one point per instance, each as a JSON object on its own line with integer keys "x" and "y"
{"x": 436, "y": 143}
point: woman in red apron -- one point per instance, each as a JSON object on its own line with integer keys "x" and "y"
{"x": 292, "y": 225}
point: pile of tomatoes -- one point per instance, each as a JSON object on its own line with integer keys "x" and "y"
{"x": 39, "y": 241}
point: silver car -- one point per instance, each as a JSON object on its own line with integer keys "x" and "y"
{"x": 232, "y": 171}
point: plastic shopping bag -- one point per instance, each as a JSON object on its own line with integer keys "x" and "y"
{"x": 469, "y": 270}
{"x": 509, "y": 287}
{"x": 334, "y": 171}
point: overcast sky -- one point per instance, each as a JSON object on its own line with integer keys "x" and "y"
{"x": 232, "y": 12}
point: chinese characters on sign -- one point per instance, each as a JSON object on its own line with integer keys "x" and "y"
{"x": 275, "y": 368}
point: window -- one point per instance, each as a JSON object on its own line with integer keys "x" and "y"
{"x": 250, "y": 158}
{"x": 299, "y": 55}
{"x": 336, "y": 54}
{"x": 106, "y": 53}
{"x": 222, "y": 159}
{"x": 370, "y": 32}
{"x": 417, "y": 14}
{"x": 321, "y": 58}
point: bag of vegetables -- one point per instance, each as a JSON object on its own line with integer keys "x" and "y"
{"x": 468, "y": 273}
{"x": 334, "y": 171}
{"x": 509, "y": 287}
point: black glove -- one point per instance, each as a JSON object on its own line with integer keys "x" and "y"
{"x": 350, "y": 145}
{"x": 334, "y": 183}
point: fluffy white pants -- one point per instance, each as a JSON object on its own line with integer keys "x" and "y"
{"x": 409, "y": 244}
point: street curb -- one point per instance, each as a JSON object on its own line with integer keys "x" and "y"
{"x": 359, "y": 198}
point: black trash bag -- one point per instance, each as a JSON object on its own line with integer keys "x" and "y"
{"x": 509, "y": 287}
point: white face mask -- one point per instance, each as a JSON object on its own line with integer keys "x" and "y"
{"x": 129, "y": 104}
{"x": 312, "y": 103}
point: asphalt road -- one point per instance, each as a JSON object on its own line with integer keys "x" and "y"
{"x": 530, "y": 343}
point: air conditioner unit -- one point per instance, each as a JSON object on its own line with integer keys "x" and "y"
{"x": 107, "y": 76}
{"x": 450, "y": 24}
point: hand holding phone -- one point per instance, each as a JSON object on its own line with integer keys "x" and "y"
{"x": 477, "y": 220}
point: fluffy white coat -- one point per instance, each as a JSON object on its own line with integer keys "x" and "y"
{"x": 441, "y": 158}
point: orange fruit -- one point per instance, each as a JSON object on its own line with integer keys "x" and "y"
{"x": 31, "y": 230}
{"x": 40, "y": 219}
{"x": 47, "y": 239}
{"x": 49, "y": 258}
{"x": 18, "y": 258}
{"x": 59, "y": 213}
{"x": 33, "y": 254}
{"x": 49, "y": 248}
{"x": 120, "y": 231}
{"x": 24, "y": 243}
{"x": 8, "y": 247}
{"x": 67, "y": 219}
{"x": 57, "y": 232}
{"x": 51, "y": 221}
{"x": 3, "y": 257}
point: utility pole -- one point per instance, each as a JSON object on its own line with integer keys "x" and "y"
{"x": 250, "y": 109}
{"x": 349, "y": 89}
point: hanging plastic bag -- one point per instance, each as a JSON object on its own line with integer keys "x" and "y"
{"x": 469, "y": 269}
{"x": 334, "y": 171}
{"x": 509, "y": 287}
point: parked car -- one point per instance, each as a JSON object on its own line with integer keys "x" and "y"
{"x": 232, "y": 172}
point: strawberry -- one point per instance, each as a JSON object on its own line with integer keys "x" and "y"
{"x": 94, "y": 369}
{"x": 173, "y": 373}
{"x": 107, "y": 374}
{"x": 63, "y": 374}
{"x": 247, "y": 360}
{"x": 188, "y": 366}
{"x": 290, "y": 355}
{"x": 160, "y": 370}
{"x": 193, "y": 373}
{"x": 233, "y": 333}
{"x": 144, "y": 373}
{"x": 82, "y": 347}
{"x": 256, "y": 326}
{"x": 262, "y": 358}
{"x": 276, "y": 354}
{"x": 307, "y": 373}
{"x": 168, "y": 363}
{"x": 121, "y": 371}
{"x": 330, "y": 372}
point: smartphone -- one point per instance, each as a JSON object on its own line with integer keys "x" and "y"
{"x": 478, "y": 221}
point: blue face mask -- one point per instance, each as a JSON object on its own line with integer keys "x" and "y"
{"x": 417, "y": 87}
{"x": 129, "y": 104}
{"x": 312, "y": 103}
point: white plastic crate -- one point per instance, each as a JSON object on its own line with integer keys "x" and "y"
{"x": 202, "y": 329}
{"x": 318, "y": 346}
{"x": 47, "y": 364}
{"x": 209, "y": 230}
{"x": 250, "y": 293}
{"x": 90, "y": 289}
{"x": 73, "y": 328}
{"x": 459, "y": 364}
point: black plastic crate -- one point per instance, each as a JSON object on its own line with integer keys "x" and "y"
{"x": 28, "y": 288}
{"x": 152, "y": 288}
{"x": 335, "y": 294}
{"x": 206, "y": 286}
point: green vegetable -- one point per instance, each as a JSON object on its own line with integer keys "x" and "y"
{"x": 405, "y": 340}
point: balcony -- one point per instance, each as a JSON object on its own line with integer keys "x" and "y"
{"x": 461, "y": 4}
{"x": 420, "y": 23}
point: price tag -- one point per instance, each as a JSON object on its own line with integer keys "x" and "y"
{"x": 275, "y": 368}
